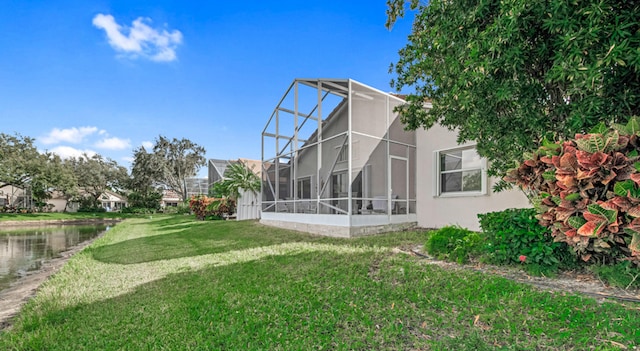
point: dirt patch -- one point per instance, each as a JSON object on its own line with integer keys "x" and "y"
{"x": 13, "y": 298}
{"x": 572, "y": 282}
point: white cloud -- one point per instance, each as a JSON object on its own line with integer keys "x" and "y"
{"x": 68, "y": 151}
{"x": 113, "y": 144}
{"x": 71, "y": 135}
{"x": 140, "y": 39}
{"x": 127, "y": 159}
{"x": 147, "y": 145}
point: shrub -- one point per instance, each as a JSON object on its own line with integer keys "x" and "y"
{"x": 587, "y": 191}
{"x": 622, "y": 274}
{"x": 203, "y": 206}
{"x": 514, "y": 236}
{"x": 137, "y": 210}
{"x": 183, "y": 208}
{"x": 92, "y": 209}
{"x": 453, "y": 243}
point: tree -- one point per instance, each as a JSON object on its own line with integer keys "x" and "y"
{"x": 174, "y": 161}
{"x": 55, "y": 175}
{"x": 95, "y": 175}
{"x": 504, "y": 73}
{"x": 145, "y": 192}
{"x": 20, "y": 161}
{"x": 23, "y": 166}
{"x": 239, "y": 176}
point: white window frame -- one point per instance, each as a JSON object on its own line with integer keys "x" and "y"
{"x": 437, "y": 179}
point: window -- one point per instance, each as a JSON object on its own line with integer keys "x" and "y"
{"x": 339, "y": 184}
{"x": 460, "y": 172}
{"x": 304, "y": 188}
{"x": 343, "y": 151}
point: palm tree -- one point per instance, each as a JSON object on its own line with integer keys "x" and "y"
{"x": 239, "y": 176}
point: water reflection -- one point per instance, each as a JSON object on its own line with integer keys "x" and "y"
{"x": 26, "y": 249}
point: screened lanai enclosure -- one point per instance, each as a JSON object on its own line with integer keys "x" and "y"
{"x": 337, "y": 160}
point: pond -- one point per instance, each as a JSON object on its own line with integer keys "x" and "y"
{"x": 23, "y": 250}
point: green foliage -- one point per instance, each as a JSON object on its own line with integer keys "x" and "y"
{"x": 170, "y": 163}
{"x": 95, "y": 175}
{"x": 623, "y": 274}
{"x": 514, "y": 236}
{"x": 91, "y": 209}
{"x": 504, "y": 73}
{"x": 183, "y": 208}
{"x": 593, "y": 201}
{"x": 147, "y": 199}
{"x": 453, "y": 243}
{"x": 237, "y": 177}
{"x": 220, "y": 189}
{"x": 19, "y": 160}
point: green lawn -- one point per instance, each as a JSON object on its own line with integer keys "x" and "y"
{"x": 171, "y": 283}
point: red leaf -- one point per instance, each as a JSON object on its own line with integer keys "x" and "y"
{"x": 569, "y": 161}
{"x": 571, "y": 233}
{"x": 622, "y": 203}
{"x": 586, "y": 174}
{"x": 593, "y": 217}
{"x": 591, "y": 228}
{"x": 634, "y": 211}
{"x": 546, "y": 159}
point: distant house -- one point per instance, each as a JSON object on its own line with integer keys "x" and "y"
{"x": 337, "y": 161}
{"x": 170, "y": 198}
{"x": 14, "y": 196}
{"x": 21, "y": 198}
{"x": 111, "y": 201}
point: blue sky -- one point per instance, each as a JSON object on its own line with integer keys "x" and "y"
{"x": 108, "y": 76}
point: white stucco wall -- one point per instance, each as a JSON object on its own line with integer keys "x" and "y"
{"x": 436, "y": 212}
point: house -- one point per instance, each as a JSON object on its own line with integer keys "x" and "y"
{"x": 14, "y": 196}
{"x": 111, "y": 201}
{"x": 337, "y": 161}
{"x": 21, "y": 198}
{"x": 170, "y": 198}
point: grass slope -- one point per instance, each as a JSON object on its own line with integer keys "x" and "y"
{"x": 170, "y": 283}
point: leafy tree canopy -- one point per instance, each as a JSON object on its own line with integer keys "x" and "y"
{"x": 145, "y": 189}
{"x": 20, "y": 161}
{"x": 170, "y": 163}
{"x": 505, "y": 73}
{"x": 96, "y": 174}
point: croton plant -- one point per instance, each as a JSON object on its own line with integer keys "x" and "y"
{"x": 587, "y": 190}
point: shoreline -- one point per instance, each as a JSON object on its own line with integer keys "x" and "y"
{"x": 21, "y": 291}
{"x": 46, "y": 222}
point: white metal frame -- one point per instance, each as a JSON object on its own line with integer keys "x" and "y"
{"x": 285, "y": 164}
